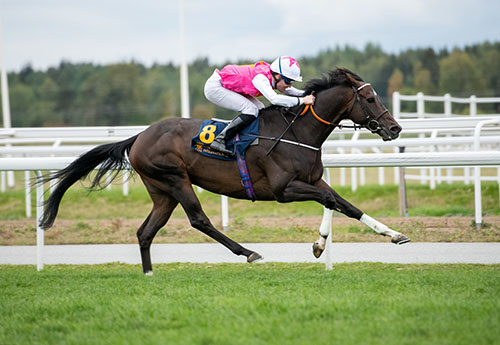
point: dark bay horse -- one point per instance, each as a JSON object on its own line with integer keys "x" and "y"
{"x": 163, "y": 158}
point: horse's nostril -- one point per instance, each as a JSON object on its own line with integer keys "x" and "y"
{"x": 395, "y": 129}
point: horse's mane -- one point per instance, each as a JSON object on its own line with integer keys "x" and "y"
{"x": 333, "y": 78}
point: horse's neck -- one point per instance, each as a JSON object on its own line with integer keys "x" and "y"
{"x": 309, "y": 130}
{"x": 329, "y": 106}
{"x": 274, "y": 122}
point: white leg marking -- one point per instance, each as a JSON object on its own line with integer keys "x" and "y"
{"x": 149, "y": 273}
{"x": 326, "y": 223}
{"x": 321, "y": 242}
{"x": 376, "y": 226}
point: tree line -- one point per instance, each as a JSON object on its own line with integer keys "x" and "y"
{"x": 85, "y": 94}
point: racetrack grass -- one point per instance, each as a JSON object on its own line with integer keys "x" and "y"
{"x": 379, "y": 201}
{"x": 271, "y": 303}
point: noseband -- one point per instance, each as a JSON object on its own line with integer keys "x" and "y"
{"x": 372, "y": 123}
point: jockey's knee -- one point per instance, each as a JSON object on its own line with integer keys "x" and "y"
{"x": 250, "y": 109}
{"x": 212, "y": 85}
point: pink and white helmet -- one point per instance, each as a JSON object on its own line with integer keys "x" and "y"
{"x": 288, "y": 67}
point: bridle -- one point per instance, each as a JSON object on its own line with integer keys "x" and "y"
{"x": 372, "y": 124}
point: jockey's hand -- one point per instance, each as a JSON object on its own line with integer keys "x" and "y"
{"x": 309, "y": 99}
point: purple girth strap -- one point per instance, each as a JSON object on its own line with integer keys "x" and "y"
{"x": 245, "y": 176}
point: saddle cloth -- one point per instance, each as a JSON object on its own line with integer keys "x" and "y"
{"x": 209, "y": 129}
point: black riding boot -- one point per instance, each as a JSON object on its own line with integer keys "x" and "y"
{"x": 235, "y": 126}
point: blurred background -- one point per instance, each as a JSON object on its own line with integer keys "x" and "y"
{"x": 86, "y": 63}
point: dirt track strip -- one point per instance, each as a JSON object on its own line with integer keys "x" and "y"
{"x": 258, "y": 229}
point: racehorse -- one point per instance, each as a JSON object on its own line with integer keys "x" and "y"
{"x": 290, "y": 170}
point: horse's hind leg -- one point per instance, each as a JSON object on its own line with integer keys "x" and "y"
{"x": 189, "y": 201}
{"x": 163, "y": 207}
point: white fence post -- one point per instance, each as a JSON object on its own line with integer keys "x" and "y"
{"x": 473, "y": 106}
{"x": 10, "y": 179}
{"x": 381, "y": 171}
{"x": 2, "y": 181}
{"x": 477, "y": 197}
{"x": 108, "y": 180}
{"x": 342, "y": 177}
{"x": 354, "y": 179}
{"x": 467, "y": 178}
{"x": 396, "y": 170}
{"x": 342, "y": 171}
{"x": 396, "y": 105}
{"x": 125, "y": 182}
{"x": 27, "y": 193}
{"x": 53, "y": 183}
{"x": 420, "y": 105}
{"x": 420, "y": 115}
{"x": 447, "y": 105}
{"x": 354, "y": 171}
{"x": 39, "y": 215}
{"x": 477, "y": 172}
{"x": 225, "y": 212}
{"x": 498, "y": 182}
{"x": 432, "y": 170}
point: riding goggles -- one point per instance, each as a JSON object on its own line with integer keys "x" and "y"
{"x": 287, "y": 80}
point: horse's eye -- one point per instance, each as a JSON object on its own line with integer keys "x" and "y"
{"x": 371, "y": 100}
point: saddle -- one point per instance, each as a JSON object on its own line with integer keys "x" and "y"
{"x": 209, "y": 129}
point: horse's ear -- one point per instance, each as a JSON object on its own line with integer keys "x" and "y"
{"x": 350, "y": 79}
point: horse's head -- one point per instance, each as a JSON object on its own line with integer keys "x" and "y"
{"x": 367, "y": 110}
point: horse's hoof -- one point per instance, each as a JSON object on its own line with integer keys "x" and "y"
{"x": 317, "y": 250}
{"x": 148, "y": 273}
{"x": 400, "y": 239}
{"x": 254, "y": 257}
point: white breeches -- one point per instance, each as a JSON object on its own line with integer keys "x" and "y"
{"x": 217, "y": 94}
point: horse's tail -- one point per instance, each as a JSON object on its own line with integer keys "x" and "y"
{"x": 111, "y": 157}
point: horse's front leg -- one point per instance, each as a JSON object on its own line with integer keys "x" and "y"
{"x": 301, "y": 191}
{"x": 375, "y": 225}
{"x": 345, "y": 207}
{"x": 325, "y": 195}
{"x": 324, "y": 230}
{"x": 319, "y": 192}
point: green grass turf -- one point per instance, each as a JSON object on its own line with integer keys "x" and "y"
{"x": 251, "y": 304}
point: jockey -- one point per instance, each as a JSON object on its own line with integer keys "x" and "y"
{"x": 235, "y": 87}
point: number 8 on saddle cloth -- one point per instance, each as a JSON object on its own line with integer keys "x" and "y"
{"x": 209, "y": 129}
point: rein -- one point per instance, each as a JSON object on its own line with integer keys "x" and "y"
{"x": 310, "y": 108}
{"x": 372, "y": 123}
